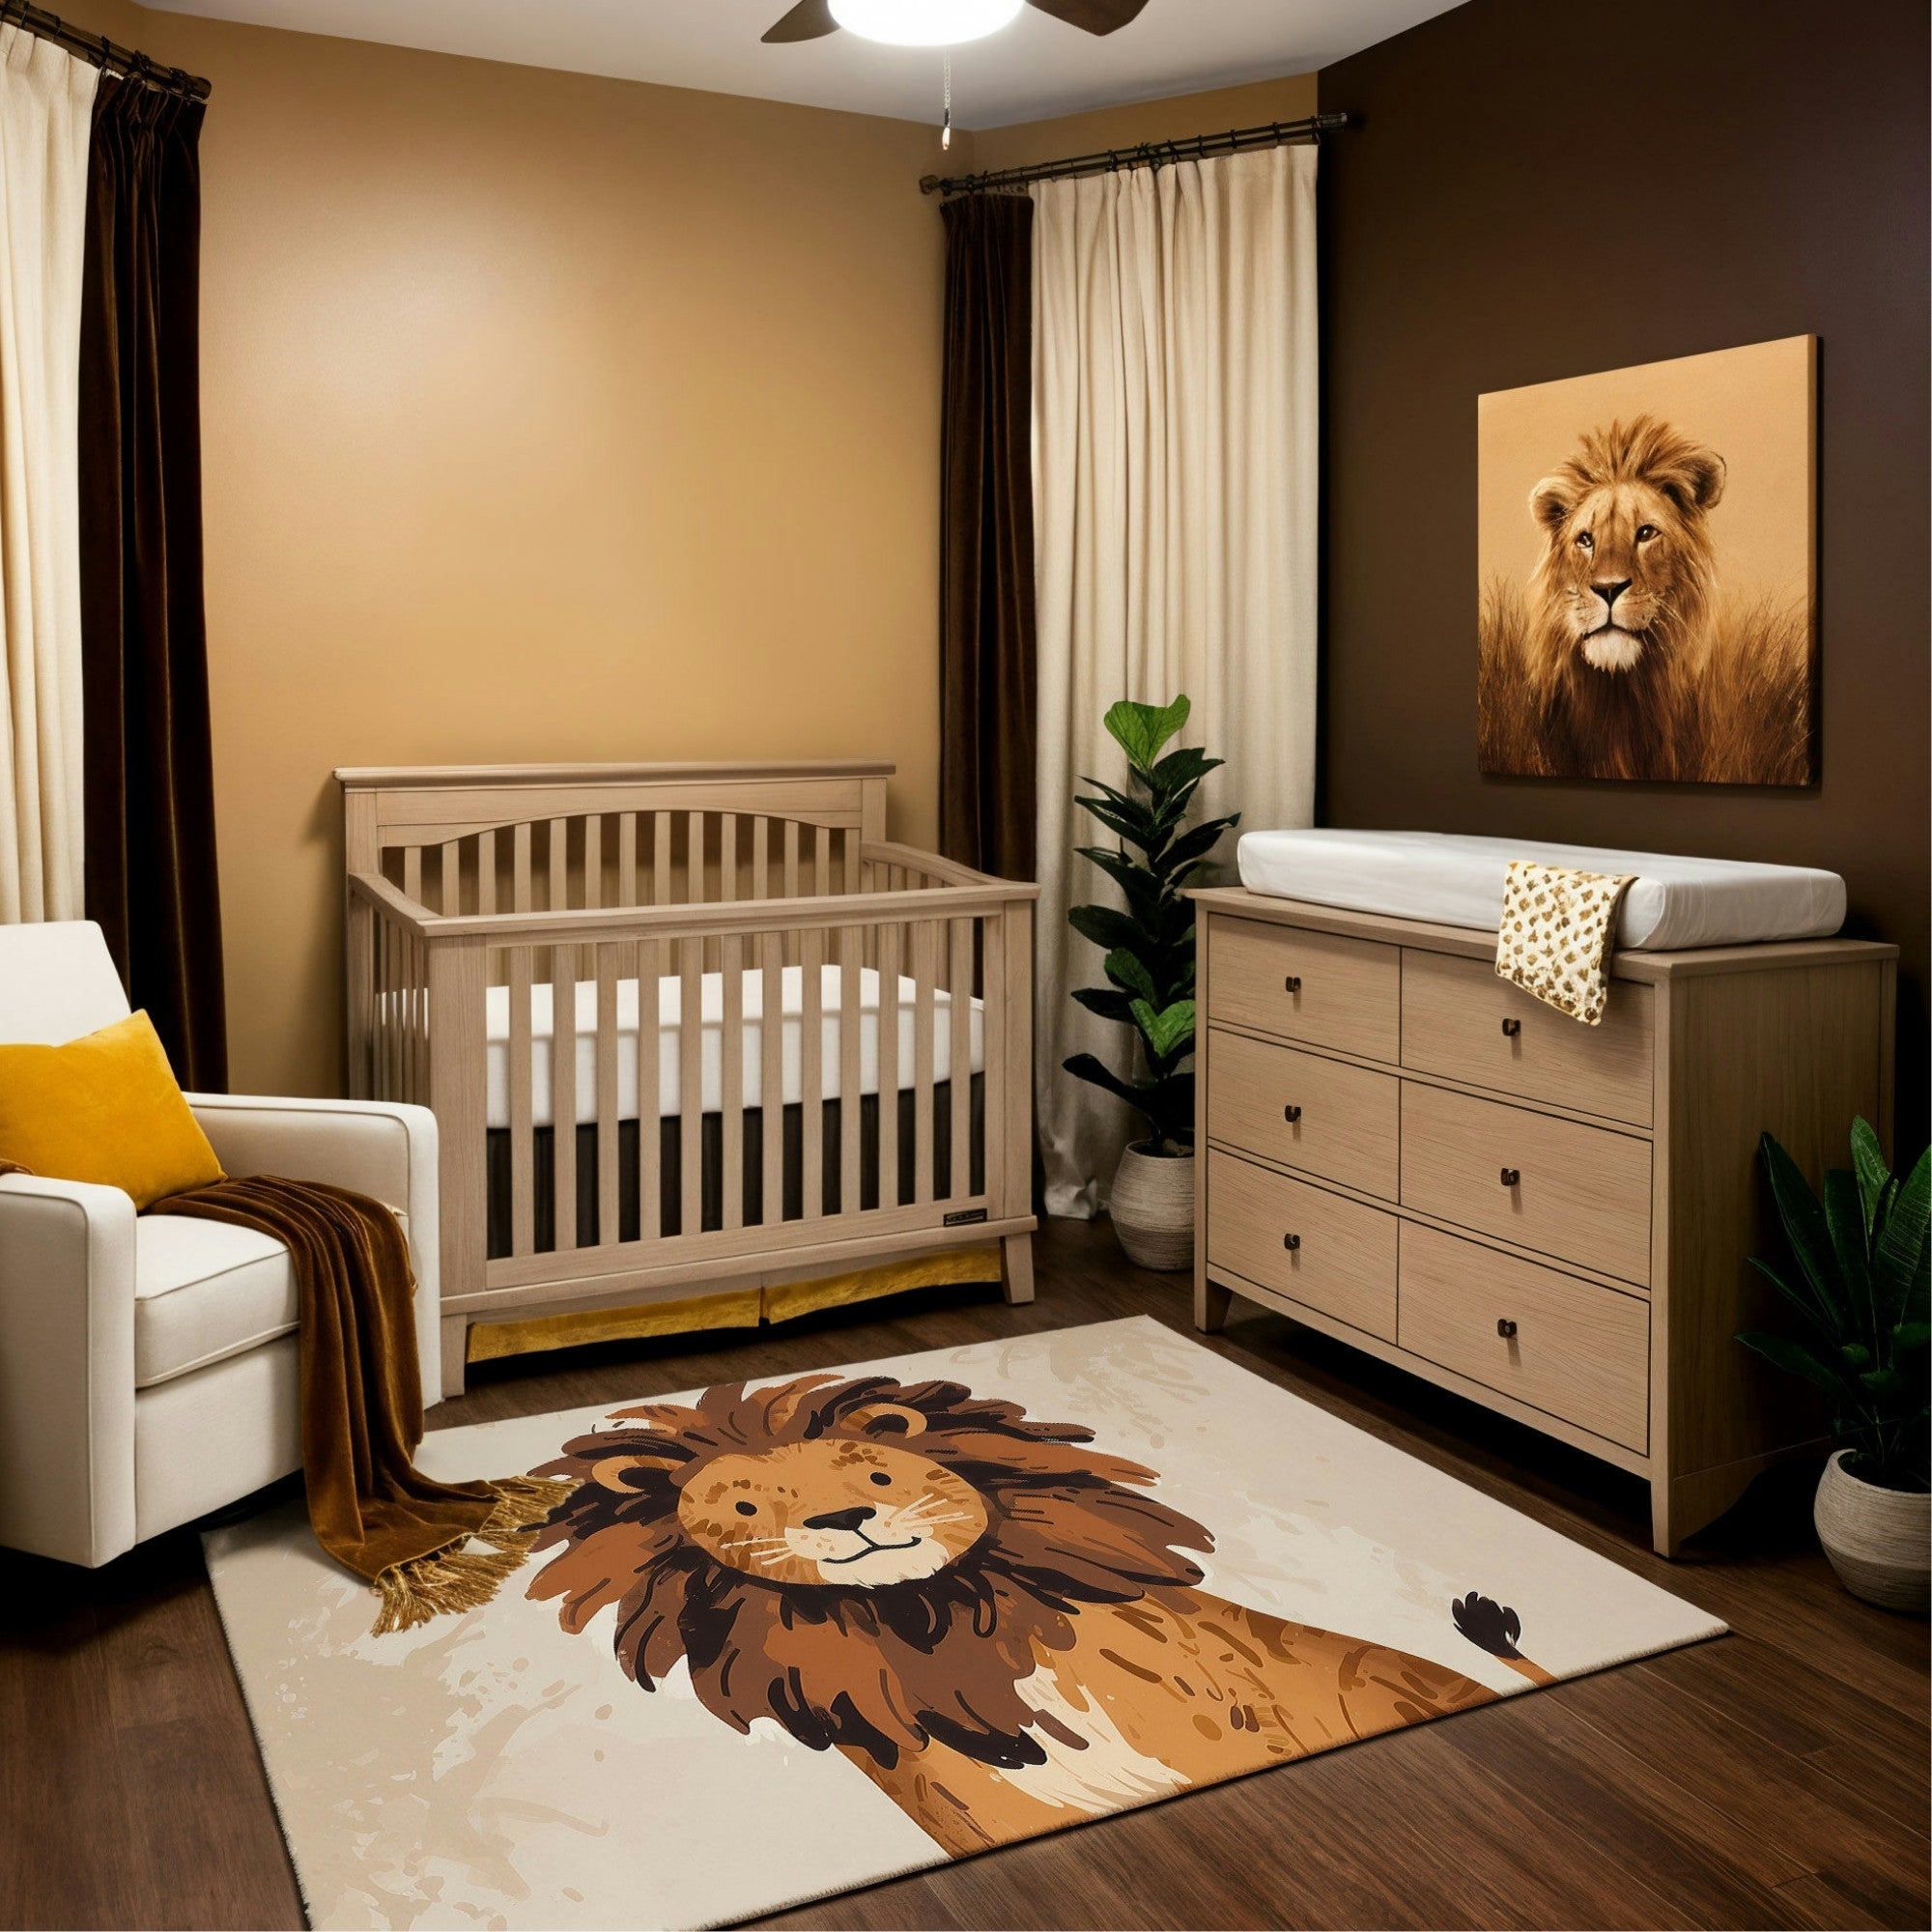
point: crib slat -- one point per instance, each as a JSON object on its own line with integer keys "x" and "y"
{"x": 523, "y": 1225}
{"x": 650, "y": 1039}
{"x": 607, "y": 1093}
{"x": 560, "y": 864}
{"x": 993, "y": 1056}
{"x": 694, "y": 858}
{"x": 811, "y": 1072}
{"x": 851, "y": 1105}
{"x": 414, "y": 1083}
{"x": 593, "y": 860}
{"x": 520, "y": 870}
{"x": 412, "y": 872}
{"x": 661, "y": 858}
{"x": 761, "y": 857}
{"x": 727, "y": 856}
{"x": 450, "y": 879}
{"x": 848, "y": 841}
{"x": 889, "y": 1065}
{"x": 563, "y": 1093}
{"x": 627, "y": 859}
{"x": 960, "y": 988}
{"x": 384, "y": 1015}
{"x": 690, "y": 1083}
{"x": 771, "y": 1077}
{"x": 732, "y": 1085}
{"x": 486, "y": 873}
{"x": 791, "y": 858}
{"x": 924, "y": 946}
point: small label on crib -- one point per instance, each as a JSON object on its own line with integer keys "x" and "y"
{"x": 965, "y": 1217}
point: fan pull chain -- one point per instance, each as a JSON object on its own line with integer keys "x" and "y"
{"x": 946, "y": 123}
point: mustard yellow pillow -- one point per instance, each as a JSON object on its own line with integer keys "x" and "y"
{"x": 105, "y": 1108}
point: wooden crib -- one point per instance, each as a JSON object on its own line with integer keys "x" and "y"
{"x": 513, "y": 933}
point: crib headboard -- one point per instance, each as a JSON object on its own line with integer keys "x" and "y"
{"x": 482, "y": 838}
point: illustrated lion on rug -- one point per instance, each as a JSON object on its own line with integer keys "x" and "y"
{"x": 1619, "y": 659}
{"x": 992, "y": 1619}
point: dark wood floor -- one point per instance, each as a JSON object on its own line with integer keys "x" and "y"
{"x": 1777, "y": 1777}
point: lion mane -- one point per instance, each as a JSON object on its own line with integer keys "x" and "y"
{"x": 883, "y": 1670}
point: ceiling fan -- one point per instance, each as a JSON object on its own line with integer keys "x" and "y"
{"x": 942, "y": 22}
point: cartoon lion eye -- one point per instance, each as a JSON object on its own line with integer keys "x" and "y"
{"x": 1585, "y": 541}
{"x": 884, "y": 1481}
{"x": 1646, "y": 532}
{"x": 748, "y": 1509}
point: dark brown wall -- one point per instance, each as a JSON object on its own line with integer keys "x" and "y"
{"x": 1536, "y": 192}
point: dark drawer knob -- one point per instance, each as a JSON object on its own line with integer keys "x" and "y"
{"x": 1291, "y": 1115}
{"x": 1511, "y": 1028}
{"x": 1512, "y": 1177}
{"x": 1506, "y": 1328}
{"x": 1293, "y": 984}
{"x": 1290, "y": 1243}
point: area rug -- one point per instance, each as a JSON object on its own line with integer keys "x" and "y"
{"x": 787, "y": 1638}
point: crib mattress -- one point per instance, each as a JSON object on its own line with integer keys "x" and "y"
{"x": 711, "y": 1054}
{"x": 1455, "y": 880}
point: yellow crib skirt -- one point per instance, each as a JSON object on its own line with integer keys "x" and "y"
{"x": 738, "y": 1308}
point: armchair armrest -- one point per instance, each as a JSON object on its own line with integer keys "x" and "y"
{"x": 376, "y": 1148}
{"x": 67, "y": 1368}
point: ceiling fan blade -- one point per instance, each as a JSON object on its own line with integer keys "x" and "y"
{"x": 808, "y": 20}
{"x": 1097, "y": 16}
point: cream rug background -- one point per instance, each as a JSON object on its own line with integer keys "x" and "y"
{"x": 491, "y": 1771}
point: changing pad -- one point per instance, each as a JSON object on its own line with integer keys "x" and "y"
{"x": 1458, "y": 880}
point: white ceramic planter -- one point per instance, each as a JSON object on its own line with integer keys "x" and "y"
{"x": 1880, "y": 1541}
{"x": 1153, "y": 1206}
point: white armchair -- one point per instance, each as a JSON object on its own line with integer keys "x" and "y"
{"x": 148, "y": 1365}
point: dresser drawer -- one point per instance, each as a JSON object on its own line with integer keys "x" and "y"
{"x": 1321, "y": 1116}
{"x": 1460, "y": 1020}
{"x": 1342, "y": 1255}
{"x": 1344, "y": 993}
{"x": 1582, "y": 1194}
{"x": 1566, "y": 1346}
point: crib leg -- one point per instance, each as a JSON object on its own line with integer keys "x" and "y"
{"x": 1016, "y": 1267}
{"x": 455, "y": 1353}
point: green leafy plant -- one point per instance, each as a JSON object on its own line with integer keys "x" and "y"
{"x": 1860, "y": 1291}
{"x": 1150, "y": 945}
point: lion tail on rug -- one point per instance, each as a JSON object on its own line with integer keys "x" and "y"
{"x": 452, "y": 1579}
{"x": 1494, "y": 1628}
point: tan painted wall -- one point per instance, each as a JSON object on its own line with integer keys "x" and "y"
{"x": 553, "y": 417}
{"x": 546, "y": 417}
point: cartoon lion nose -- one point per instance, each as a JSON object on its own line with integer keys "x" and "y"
{"x": 849, "y": 1519}
{"x": 1609, "y": 593}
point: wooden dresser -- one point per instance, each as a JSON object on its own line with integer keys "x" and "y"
{"x": 1407, "y": 1153}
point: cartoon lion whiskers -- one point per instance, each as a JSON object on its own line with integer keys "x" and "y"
{"x": 1618, "y": 658}
{"x": 992, "y": 1619}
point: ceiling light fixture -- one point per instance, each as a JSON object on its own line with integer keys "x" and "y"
{"x": 924, "y": 23}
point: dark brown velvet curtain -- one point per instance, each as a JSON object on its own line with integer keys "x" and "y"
{"x": 151, "y": 878}
{"x": 988, "y": 684}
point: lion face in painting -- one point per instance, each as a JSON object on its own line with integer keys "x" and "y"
{"x": 1627, "y": 568}
{"x": 874, "y": 1566}
{"x": 833, "y": 1511}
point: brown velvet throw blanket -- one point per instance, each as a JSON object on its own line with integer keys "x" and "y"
{"x": 362, "y": 1407}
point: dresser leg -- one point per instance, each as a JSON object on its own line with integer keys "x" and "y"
{"x": 455, "y": 1353}
{"x": 1666, "y": 1537}
{"x": 1210, "y": 1305}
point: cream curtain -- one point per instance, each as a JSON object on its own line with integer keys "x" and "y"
{"x": 1175, "y": 509}
{"x": 46, "y": 107}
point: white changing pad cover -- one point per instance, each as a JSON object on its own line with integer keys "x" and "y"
{"x": 1458, "y": 880}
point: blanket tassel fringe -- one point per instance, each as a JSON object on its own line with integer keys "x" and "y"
{"x": 457, "y": 1578}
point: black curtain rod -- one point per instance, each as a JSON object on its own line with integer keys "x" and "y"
{"x": 105, "y": 54}
{"x": 1143, "y": 155}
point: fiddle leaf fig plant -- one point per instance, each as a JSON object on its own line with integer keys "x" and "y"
{"x": 1148, "y": 943}
{"x": 1859, "y": 1291}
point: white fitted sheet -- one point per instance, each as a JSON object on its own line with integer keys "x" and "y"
{"x": 670, "y": 994}
{"x": 1458, "y": 880}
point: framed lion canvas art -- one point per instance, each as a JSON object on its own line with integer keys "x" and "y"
{"x": 1646, "y": 549}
